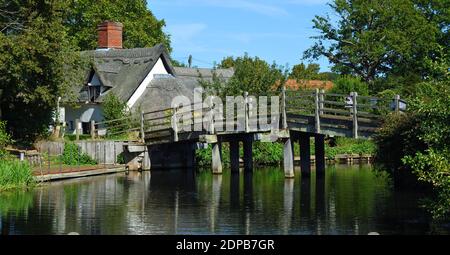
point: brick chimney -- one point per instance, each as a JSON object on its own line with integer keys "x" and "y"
{"x": 110, "y": 35}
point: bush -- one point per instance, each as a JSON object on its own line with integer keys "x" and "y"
{"x": 5, "y": 139}
{"x": 418, "y": 142}
{"x": 346, "y": 84}
{"x": 15, "y": 174}
{"x": 72, "y": 156}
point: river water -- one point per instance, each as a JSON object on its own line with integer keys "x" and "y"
{"x": 348, "y": 200}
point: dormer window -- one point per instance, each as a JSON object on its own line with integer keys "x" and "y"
{"x": 95, "y": 88}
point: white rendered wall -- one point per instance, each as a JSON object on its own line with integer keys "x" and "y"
{"x": 157, "y": 69}
{"x": 85, "y": 113}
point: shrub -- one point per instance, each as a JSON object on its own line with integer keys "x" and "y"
{"x": 346, "y": 84}
{"x": 15, "y": 174}
{"x": 5, "y": 139}
{"x": 73, "y": 156}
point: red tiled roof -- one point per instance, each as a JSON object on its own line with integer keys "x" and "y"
{"x": 293, "y": 84}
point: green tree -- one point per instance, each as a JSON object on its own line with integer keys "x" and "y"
{"x": 35, "y": 55}
{"x": 375, "y": 38}
{"x": 303, "y": 72}
{"x": 113, "y": 109}
{"x": 141, "y": 27}
{"x": 253, "y": 75}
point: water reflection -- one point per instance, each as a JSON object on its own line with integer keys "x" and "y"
{"x": 347, "y": 200}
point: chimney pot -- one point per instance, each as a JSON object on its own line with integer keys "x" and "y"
{"x": 110, "y": 35}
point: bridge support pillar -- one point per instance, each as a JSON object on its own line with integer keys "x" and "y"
{"x": 234, "y": 156}
{"x": 319, "y": 149}
{"x": 216, "y": 158}
{"x": 190, "y": 155}
{"x": 248, "y": 155}
{"x": 288, "y": 158}
{"x": 305, "y": 154}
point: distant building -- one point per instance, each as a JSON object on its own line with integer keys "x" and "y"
{"x": 293, "y": 84}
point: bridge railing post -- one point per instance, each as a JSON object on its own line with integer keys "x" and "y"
{"x": 321, "y": 99}
{"x": 175, "y": 124}
{"x": 142, "y": 127}
{"x": 354, "y": 96}
{"x": 283, "y": 108}
{"x": 317, "y": 111}
{"x": 246, "y": 112}
{"x": 211, "y": 115}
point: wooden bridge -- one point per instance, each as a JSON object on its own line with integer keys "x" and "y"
{"x": 295, "y": 117}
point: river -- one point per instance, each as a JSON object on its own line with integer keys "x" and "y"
{"x": 348, "y": 200}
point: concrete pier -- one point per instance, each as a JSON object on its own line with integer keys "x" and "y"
{"x": 216, "y": 158}
{"x": 288, "y": 159}
{"x": 319, "y": 149}
{"x": 305, "y": 154}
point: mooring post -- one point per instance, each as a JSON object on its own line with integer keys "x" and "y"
{"x": 234, "y": 156}
{"x": 92, "y": 129}
{"x": 305, "y": 154}
{"x": 216, "y": 158}
{"x": 317, "y": 111}
{"x": 354, "y": 95}
{"x": 288, "y": 159}
{"x": 319, "y": 149}
{"x": 77, "y": 129}
{"x": 248, "y": 155}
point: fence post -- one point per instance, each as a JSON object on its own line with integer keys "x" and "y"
{"x": 283, "y": 107}
{"x": 246, "y": 111}
{"x": 48, "y": 157}
{"x": 174, "y": 125}
{"x": 77, "y": 130}
{"x": 60, "y": 159}
{"x": 354, "y": 95}
{"x": 92, "y": 129}
{"x": 317, "y": 111}
{"x": 142, "y": 127}
{"x": 397, "y": 103}
{"x": 321, "y": 99}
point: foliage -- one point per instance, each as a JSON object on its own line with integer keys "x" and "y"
{"x": 418, "y": 141}
{"x": 15, "y": 174}
{"x": 120, "y": 159}
{"x": 346, "y": 84}
{"x": 141, "y": 27}
{"x": 251, "y": 74}
{"x": 114, "y": 108}
{"x": 73, "y": 156}
{"x": 309, "y": 72}
{"x": 343, "y": 145}
{"x": 35, "y": 53}
{"x": 375, "y": 38}
{"x": 5, "y": 138}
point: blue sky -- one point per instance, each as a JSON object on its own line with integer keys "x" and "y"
{"x": 213, "y": 29}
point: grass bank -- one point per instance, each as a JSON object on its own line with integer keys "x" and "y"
{"x": 15, "y": 174}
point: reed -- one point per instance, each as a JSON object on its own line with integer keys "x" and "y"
{"x": 15, "y": 174}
